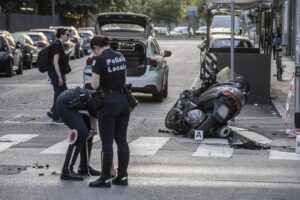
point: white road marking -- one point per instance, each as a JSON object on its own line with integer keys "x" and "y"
{"x": 214, "y": 147}
{"x": 279, "y": 155}
{"x": 61, "y": 147}
{"x": 9, "y": 140}
{"x": 18, "y": 116}
{"x": 147, "y": 146}
{"x": 251, "y": 135}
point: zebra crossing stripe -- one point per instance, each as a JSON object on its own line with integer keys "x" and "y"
{"x": 61, "y": 147}
{"x": 279, "y": 155}
{"x": 147, "y": 146}
{"x": 214, "y": 147}
{"x": 10, "y": 140}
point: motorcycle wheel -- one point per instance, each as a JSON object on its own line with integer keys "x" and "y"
{"x": 167, "y": 120}
{"x": 208, "y": 123}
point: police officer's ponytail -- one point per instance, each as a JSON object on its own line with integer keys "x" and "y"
{"x": 100, "y": 41}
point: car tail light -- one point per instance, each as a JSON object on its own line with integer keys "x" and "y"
{"x": 153, "y": 63}
{"x": 89, "y": 61}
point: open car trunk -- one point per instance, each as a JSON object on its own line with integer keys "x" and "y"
{"x": 135, "y": 55}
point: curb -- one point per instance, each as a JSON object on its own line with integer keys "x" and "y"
{"x": 279, "y": 109}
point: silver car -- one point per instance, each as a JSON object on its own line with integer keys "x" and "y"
{"x": 132, "y": 35}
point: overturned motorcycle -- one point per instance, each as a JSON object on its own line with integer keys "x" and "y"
{"x": 208, "y": 108}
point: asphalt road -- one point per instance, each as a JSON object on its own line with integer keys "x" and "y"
{"x": 162, "y": 166}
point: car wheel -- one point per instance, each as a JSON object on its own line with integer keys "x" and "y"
{"x": 29, "y": 64}
{"x": 10, "y": 71}
{"x": 165, "y": 91}
{"x": 158, "y": 97}
{"x": 20, "y": 70}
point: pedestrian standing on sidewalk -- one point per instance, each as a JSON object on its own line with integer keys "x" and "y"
{"x": 109, "y": 75}
{"x": 276, "y": 42}
{"x": 58, "y": 67}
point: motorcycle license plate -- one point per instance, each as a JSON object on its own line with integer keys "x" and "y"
{"x": 198, "y": 135}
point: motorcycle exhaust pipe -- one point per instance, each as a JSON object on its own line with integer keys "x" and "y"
{"x": 223, "y": 131}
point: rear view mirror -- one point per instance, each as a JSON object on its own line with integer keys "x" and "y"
{"x": 5, "y": 47}
{"x": 167, "y": 53}
{"x": 18, "y": 45}
{"x": 202, "y": 46}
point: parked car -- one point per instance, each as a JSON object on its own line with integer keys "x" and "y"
{"x": 132, "y": 35}
{"x": 161, "y": 31}
{"x": 180, "y": 31}
{"x": 69, "y": 46}
{"x": 28, "y": 48}
{"x": 215, "y": 31}
{"x": 75, "y": 38}
{"x": 223, "y": 41}
{"x": 39, "y": 39}
{"x": 202, "y": 30}
{"x": 10, "y": 55}
{"x": 86, "y": 36}
{"x": 224, "y": 21}
{"x": 50, "y": 33}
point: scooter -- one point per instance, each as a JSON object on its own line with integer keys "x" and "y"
{"x": 209, "y": 107}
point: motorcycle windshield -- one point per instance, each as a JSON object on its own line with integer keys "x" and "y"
{"x": 225, "y": 75}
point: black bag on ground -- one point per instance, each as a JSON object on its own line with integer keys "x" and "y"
{"x": 43, "y": 60}
{"x": 131, "y": 99}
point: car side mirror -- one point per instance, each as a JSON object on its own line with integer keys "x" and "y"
{"x": 5, "y": 47}
{"x": 202, "y": 47}
{"x": 18, "y": 45}
{"x": 167, "y": 53}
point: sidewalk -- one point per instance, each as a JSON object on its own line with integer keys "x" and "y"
{"x": 280, "y": 89}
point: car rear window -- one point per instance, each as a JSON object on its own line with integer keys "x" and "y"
{"x": 122, "y": 28}
{"x": 226, "y": 43}
{"x": 36, "y": 38}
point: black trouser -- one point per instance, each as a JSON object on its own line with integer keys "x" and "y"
{"x": 113, "y": 117}
{"x": 57, "y": 90}
{"x": 71, "y": 117}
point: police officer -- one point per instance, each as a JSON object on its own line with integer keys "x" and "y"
{"x": 67, "y": 105}
{"x": 109, "y": 74}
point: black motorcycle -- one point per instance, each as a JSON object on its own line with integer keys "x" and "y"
{"x": 209, "y": 107}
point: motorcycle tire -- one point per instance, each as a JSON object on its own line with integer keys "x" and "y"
{"x": 208, "y": 123}
{"x": 167, "y": 120}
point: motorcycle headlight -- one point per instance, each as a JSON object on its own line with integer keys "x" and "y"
{"x": 223, "y": 111}
{"x": 194, "y": 117}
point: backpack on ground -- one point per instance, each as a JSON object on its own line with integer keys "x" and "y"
{"x": 43, "y": 60}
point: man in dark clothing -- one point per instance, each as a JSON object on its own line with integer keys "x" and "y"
{"x": 56, "y": 69}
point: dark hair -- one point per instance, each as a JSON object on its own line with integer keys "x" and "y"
{"x": 100, "y": 41}
{"x": 60, "y": 31}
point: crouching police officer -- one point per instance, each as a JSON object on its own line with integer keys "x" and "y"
{"x": 109, "y": 74}
{"x": 67, "y": 106}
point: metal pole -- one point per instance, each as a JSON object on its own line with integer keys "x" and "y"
{"x": 232, "y": 40}
{"x": 53, "y": 11}
{"x": 297, "y": 66}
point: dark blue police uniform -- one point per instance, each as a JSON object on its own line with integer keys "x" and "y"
{"x": 113, "y": 115}
{"x": 74, "y": 120}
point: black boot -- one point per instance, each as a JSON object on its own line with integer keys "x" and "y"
{"x": 105, "y": 178}
{"x": 84, "y": 168}
{"x": 66, "y": 173}
{"x": 122, "y": 177}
